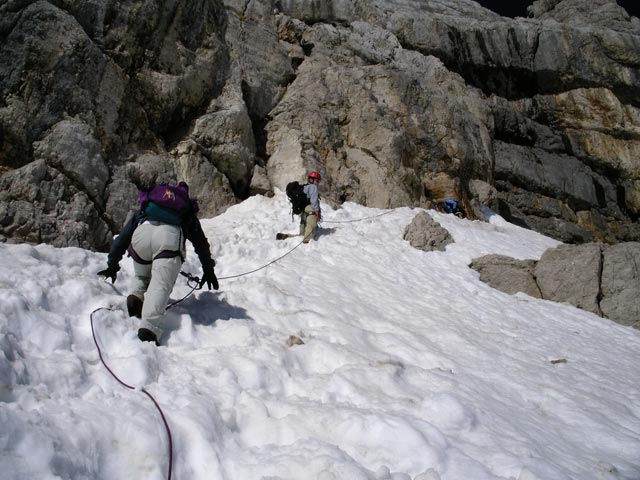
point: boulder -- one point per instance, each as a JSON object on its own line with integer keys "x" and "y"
{"x": 424, "y": 233}
{"x": 599, "y": 278}
{"x": 71, "y": 147}
{"x": 571, "y": 273}
{"x": 507, "y": 274}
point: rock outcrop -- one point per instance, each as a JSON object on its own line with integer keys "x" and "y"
{"x": 620, "y": 283}
{"x": 508, "y": 274}
{"x": 395, "y": 102}
{"x": 88, "y": 92}
{"x": 599, "y": 278}
{"x": 571, "y": 273}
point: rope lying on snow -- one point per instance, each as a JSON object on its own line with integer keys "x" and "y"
{"x": 301, "y": 242}
{"x": 358, "y": 219}
{"x": 265, "y": 266}
{"x": 130, "y": 387}
{"x": 194, "y": 283}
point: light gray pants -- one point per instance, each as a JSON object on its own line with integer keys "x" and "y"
{"x": 154, "y": 282}
{"x": 308, "y": 224}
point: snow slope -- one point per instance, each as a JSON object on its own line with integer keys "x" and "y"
{"x": 410, "y": 367}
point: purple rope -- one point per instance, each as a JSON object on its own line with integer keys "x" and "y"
{"x": 164, "y": 420}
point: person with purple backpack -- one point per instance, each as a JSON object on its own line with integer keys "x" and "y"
{"x": 155, "y": 238}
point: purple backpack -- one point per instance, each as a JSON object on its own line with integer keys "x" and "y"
{"x": 167, "y": 203}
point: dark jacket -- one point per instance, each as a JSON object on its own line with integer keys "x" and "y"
{"x": 191, "y": 229}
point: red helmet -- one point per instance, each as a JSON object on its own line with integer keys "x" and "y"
{"x": 314, "y": 174}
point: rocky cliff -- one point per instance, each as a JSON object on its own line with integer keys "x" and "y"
{"x": 602, "y": 279}
{"x": 395, "y": 102}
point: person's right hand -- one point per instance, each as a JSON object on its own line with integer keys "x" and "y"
{"x": 110, "y": 272}
{"x": 209, "y": 277}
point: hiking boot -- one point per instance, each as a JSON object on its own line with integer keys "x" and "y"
{"x": 146, "y": 335}
{"x": 281, "y": 236}
{"x": 134, "y": 306}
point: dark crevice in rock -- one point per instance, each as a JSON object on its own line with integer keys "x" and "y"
{"x": 507, "y": 183}
{"x": 171, "y": 138}
{"x": 296, "y": 62}
{"x": 535, "y": 279}
{"x": 307, "y": 48}
{"x": 627, "y": 95}
{"x": 621, "y": 201}
{"x": 258, "y": 124}
{"x": 513, "y": 138}
{"x": 600, "y": 194}
{"x": 504, "y": 209}
{"x": 9, "y": 22}
{"x": 181, "y": 117}
{"x": 512, "y": 82}
{"x": 14, "y": 153}
{"x": 600, "y": 294}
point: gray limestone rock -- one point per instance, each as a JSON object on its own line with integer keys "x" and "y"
{"x": 424, "y": 233}
{"x": 621, "y": 283}
{"x": 366, "y": 112}
{"x": 599, "y": 278}
{"x": 260, "y": 182}
{"x": 87, "y": 87}
{"x": 395, "y": 102}
{"x": 39, "y": 204}
{"x": 571, "y": 273}
{"x": 507, "y": 274}
{"x": 210, "y": 186}
{"x": 71, "y": 147}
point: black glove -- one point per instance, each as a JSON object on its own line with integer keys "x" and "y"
{"x": 111, "y": 272}
{"x": 209, "y": 277}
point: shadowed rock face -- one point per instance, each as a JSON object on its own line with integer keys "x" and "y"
{"x": 395, "y": 102}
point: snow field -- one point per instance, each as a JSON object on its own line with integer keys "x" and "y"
{"x": 410, "y": 367}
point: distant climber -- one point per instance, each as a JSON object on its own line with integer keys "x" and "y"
{"x": 305, "y": 201}
{"x": 452, "y": 206}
